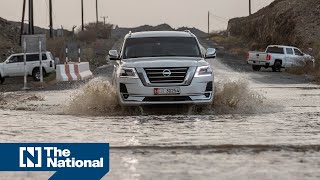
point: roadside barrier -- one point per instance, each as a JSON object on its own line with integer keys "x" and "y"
{"x": 73, "y": 72}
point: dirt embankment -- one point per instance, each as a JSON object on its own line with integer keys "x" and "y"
{"x": 8, "y": 38}
{"x": 291, "y": 22}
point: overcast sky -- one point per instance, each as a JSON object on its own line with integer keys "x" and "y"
{"x": 130, "y": 13}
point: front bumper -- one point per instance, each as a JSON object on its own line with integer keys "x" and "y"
{"x": 199, "y": 92}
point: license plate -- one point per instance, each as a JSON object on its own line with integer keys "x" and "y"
{"x": 166, "y": 91}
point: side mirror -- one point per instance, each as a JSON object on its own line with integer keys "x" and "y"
{"x": 114, "y": 55}
{"x": 211, "y": 53}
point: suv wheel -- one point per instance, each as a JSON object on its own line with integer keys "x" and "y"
{"x": 1, "y": 80}
{"x": 36, "y": 74}
{"x": 256, "y": 68}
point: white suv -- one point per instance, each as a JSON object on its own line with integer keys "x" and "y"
{"x": 14, "y": 65}
{"x": 163, "y": 67}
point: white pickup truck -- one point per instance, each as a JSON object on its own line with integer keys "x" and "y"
{"x": 278, "y": 57}
{"x": 14, "y": 65}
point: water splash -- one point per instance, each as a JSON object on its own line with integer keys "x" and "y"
{"x": 99, "y": 98}
{"x": 236, "y": 97}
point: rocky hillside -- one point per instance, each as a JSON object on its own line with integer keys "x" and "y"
{"x": 291, "y": 22}
{"x": 9, "y": 37}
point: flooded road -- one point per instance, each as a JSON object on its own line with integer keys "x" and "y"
{"x": 276, "y": 139}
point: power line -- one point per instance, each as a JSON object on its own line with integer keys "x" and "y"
{"x": 221, "y": 18}
{"x": 217, "y": 21}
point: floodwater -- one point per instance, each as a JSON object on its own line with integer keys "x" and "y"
{"x": 271, "y": 132}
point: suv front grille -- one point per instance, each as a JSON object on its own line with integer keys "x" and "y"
{"x": 166, "y": 75}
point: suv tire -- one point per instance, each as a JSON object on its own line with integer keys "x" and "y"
{"x": 36, "y": 74}
{"x": 1, "y": 80}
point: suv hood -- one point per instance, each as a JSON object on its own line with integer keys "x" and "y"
{"x": 164, "y": 62}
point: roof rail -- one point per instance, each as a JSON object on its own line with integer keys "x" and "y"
{"x": 130, "y": 33}
{"x": 188, "y": 31}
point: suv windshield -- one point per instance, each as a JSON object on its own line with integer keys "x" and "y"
{"x": 161, "y": 46}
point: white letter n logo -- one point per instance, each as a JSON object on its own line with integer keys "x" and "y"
{"x": 30, "y": 157}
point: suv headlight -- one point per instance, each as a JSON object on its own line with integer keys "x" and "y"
{"x": 204, "y": 71}
{"x": 128, "y": 73}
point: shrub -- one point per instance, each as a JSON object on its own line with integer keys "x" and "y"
{"x": 235, "y": 45}
{"x": 95, "y": 31}
{"x": 56, "y": 47}
{"x": 227, "y": 41}
{"x": 87, "y": 36}
{"x": 88, "y": 54}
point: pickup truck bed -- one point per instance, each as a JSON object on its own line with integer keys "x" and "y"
{"x": 259, "y": 58}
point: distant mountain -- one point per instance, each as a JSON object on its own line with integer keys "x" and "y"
{"x": 120, "y": 31}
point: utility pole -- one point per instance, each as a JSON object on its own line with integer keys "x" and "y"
{"x": 82, "y": 14}
{"x": 32, "y": 17}
{"x": 51, "y": 21}
{"x": 208, "y": 23}
{"x": 250, "y": 7}
{"x": 97, "y": 13}
{"x": 22, "y": 20}
{"x": 104, "y": 19}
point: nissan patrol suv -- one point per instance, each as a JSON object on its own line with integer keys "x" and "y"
{"x": 163, "y": 67}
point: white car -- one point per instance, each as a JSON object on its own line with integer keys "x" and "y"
{"x": 14, "y": 65}
{"x": 277, "y": 57}
{"x": 163, "y": 67}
